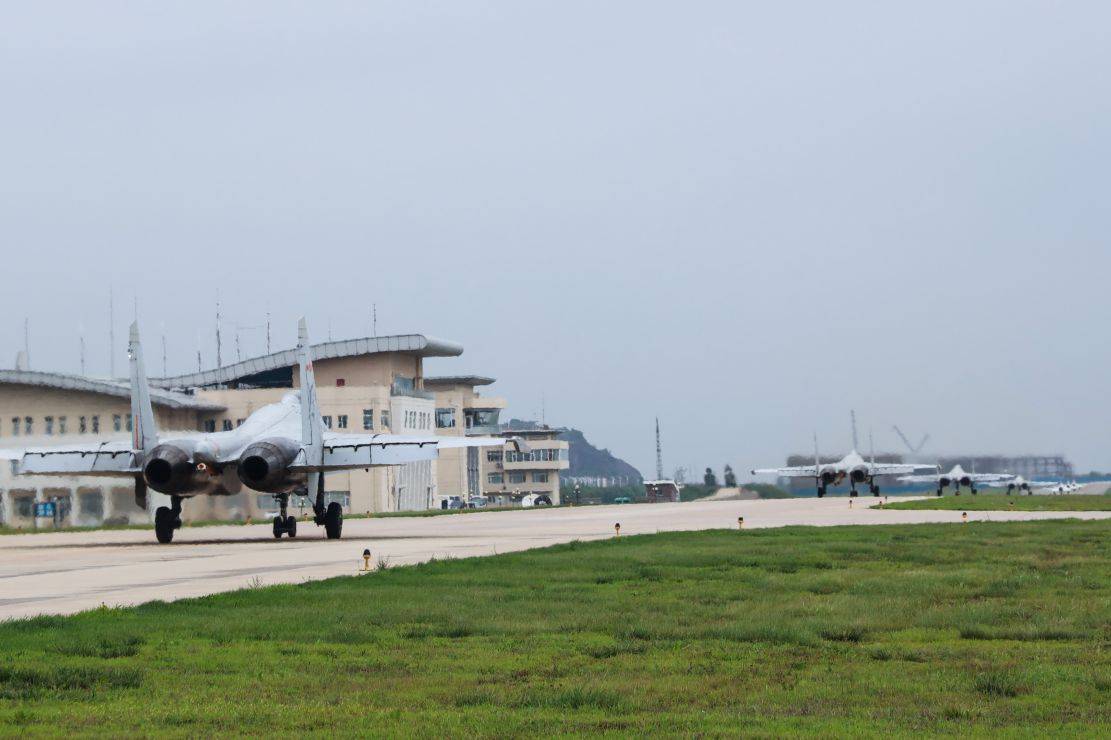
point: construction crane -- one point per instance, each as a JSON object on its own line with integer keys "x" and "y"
{"x": 914, "y": 450}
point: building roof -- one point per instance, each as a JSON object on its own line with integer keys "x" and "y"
{"x": 414, "y": 344}
{"x": 115, "y": 388}
{"x": 533, "y": 432}
{"x": 440, "y": 381}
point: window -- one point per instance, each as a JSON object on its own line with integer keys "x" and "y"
{"x": 15, "y": 426}
{"x": 130, "y": 425}
{"x": 327, "y": 421}
{"x": 385, "y": 419}
{"x": 227, "y": 427}
{"x": 368, "y": 418}
{"x": 495, "y": 479}
{"x": 493, "y": 456}
{"x": 341, "y": 421}
{"x": 117, "y": 422}
{"x": 96, "y": 425}
{"x": 28, "y": 425}
{"x": 48, "y": 422}
{"x": 61, "y": 425}
{"x": 340, "y": 382}
{"x": 82, "y": 425}
{"x": 210, "y": 425}
{"x": 516, "y": 477}
{"x": 540, "y": 477}
{"x": 239, "y": 422}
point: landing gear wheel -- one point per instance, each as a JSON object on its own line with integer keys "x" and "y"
{"x": 876, "y": 491}
{"x": 279, "y": 527}
{"x": 291, "y": 526}
{"x": 164, "y": 521}
{"x": 853, "y": 493}
{"x": 972, "y": 491}
{"x": 939, "y": 492}
{"x": 333, "y": 520}
{"x": 822, "y": 492}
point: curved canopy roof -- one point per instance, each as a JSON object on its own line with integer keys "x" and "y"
{"x": 114, "y": 388}
{"x": 415, "y": 344}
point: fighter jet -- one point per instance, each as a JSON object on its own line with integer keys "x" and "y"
{"x": 852, "y": 467}
{"x": 280, "y": 449}
{"x": 957, "y": 477}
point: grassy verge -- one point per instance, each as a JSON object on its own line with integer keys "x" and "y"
{"x": 990, "y": 628}
{"x": 1002, "y": 502}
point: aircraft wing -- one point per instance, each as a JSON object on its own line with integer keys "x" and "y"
{"x": 990, "y": 477}
{"x": 353, "y": 451}
{"x": 918, "y": 478}
{"x": 801, "y": 471}
{"x": 901, "y": 469}
{"x": 101, "y": 458}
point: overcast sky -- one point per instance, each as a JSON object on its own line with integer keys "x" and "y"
{"x": 745, "y": 218}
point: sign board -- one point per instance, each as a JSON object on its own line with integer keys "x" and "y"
{"x": 44, "y": 509}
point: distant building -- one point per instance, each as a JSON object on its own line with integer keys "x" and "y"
{"x": 369, "y": 385}
{"x": 511, "y": 475}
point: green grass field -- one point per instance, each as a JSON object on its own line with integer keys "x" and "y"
{"x": 988, "y": 628}
{"x": 1003, "y": 502}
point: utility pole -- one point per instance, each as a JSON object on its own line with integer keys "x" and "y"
{"x": 659, "y": 453}
{"x": 374, "y": 319}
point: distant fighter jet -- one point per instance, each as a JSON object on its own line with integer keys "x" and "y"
{"x": 280, "y": 449}
{"x": 852, "y": 467}
{"x": 957, "y": 477}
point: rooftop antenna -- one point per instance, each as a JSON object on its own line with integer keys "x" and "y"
{"x": 81, "y": 334}
{"x": 219, "y": 356}
{"x": 856, "y": 443}
{"x": 27, "y": 340}
{"x": 543, "y": 410}
{"x": 238, "y": 355}
{"x": 199, "y": 366}
{"x": 164, "y": 373}
{"x": 374, "y": 319}
{"x": 111, "y": 334}
{"x": 659, "y": 453}
{"x": 267, "y": 332}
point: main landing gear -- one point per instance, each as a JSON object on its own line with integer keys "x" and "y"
{"x": 166, "y": 520}
{"x": 821, "y": 491}
{"x": 330, "y": 516}
{"x": 875, "y": 490}
{"x": 283, "y": 523}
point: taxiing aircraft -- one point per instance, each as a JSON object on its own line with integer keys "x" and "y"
{"x": 852, "y": 467}
{"x": 280, "y": 449}
{"x": 957, "y": 477}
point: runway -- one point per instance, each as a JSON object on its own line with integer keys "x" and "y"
{"x": 67, "y": 572}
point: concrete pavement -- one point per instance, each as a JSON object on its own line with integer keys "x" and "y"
{"x": 66, "y": 572}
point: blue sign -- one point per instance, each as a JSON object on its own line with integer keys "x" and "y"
{"x": 45, "y": 509}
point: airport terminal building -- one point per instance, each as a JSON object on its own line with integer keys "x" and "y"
{"x": 374, "y": 384}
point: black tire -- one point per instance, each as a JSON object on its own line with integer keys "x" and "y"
{"x": 821, "y": 492}
{"x": 279, "y": 527}
{"x": 333, "y": 521}
{"x": 939, "y": 492}
{"x": 876, "y": 491}
{"x": 164, "y": 525}
{"x": 291, "y": 526}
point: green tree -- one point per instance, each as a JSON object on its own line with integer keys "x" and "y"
{"x": 730, "y": 477}
{"x": 710, "y": 479}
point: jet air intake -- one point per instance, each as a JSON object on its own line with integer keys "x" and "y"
{"x": 264, "y": 466}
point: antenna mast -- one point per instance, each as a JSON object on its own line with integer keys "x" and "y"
{"x": 219, "y": 358}
{"x": 82, "y": 350}
{"x": 111, "y": 335}
{"x": 659, "y": 453}
{"x": 267, "y": 332}
{"x": 27, "y": 340}
{"x": 164, "y": 373}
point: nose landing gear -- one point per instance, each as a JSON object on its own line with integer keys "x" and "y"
{"x": 283, "y": 523}
{"x": 166, "y": 520}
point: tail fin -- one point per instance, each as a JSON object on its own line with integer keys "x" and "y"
{"x": 144, "y": 430}
{"x": 312, "y": 426}
{"x": 856, "y": 442}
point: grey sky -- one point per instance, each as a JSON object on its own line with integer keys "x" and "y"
{"x": 743, "y": 217}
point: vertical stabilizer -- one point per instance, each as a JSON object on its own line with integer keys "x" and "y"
{"x": 312, "y": 426}
{"x": 144, "y": 431}
{"x": 856, "y": 442}
{"x": 817, "y": 457}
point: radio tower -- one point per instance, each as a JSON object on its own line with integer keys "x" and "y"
{"x": 659, "y": 453}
